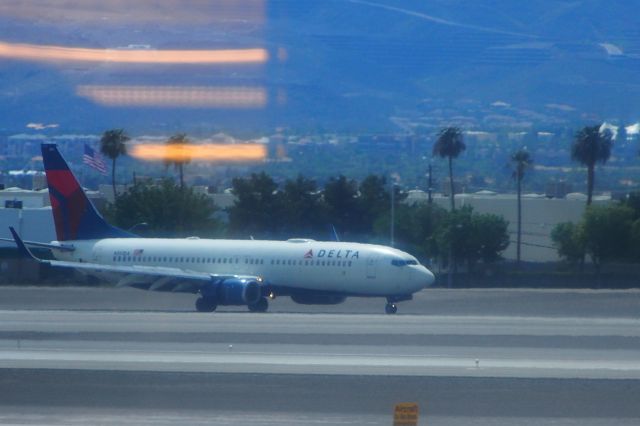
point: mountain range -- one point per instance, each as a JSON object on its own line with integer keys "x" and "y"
{"x": 334, "y": 65}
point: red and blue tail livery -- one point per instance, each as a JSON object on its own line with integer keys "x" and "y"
{"x": 74, "y": 216}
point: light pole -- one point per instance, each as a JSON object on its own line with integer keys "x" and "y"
{"x": 393, "y": 212}
{"x": 430, "y": 188}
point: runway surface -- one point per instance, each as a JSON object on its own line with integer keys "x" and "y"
{"x": 96, "y": 363}
{"x": 501, "y": 302}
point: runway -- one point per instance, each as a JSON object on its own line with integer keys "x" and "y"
{"x": 81, "y": 366}
{"x": 322, "y": 344}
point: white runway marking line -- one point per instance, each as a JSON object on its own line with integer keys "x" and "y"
{"x": 154, "y": 360}
{"x": 78, "y": 322}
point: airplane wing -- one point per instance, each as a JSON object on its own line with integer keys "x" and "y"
{"x": 155, "y": 278}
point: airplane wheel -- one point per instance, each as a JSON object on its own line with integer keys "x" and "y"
{"x": 260, "y": 306}
{"x": 391, "y": 308}
{"x": 205, "y": 305}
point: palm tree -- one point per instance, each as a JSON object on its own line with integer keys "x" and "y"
{"x": 183, "y": 158}
{"x": 520, "y": 160}
{"x": 113, "y": 145}
{"x": 590, "y": 146}
{"x": 449, "y": 145}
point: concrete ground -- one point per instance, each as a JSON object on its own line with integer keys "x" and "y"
{"x": 468, "y": 357}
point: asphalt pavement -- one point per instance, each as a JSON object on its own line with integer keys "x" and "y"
{"x": 467, "y": 357}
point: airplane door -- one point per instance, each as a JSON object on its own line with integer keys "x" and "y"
{"x": 372, "y": 266}
{"x": 97, "y": 254}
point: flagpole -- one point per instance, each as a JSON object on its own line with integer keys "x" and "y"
{"x": 82, "y": 171}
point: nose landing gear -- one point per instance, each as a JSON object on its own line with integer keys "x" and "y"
{"x": 390, "y": 308}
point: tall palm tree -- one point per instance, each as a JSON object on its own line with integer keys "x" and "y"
{"x": 113, "y": 145}
{"x": 520, "y": 160}
{"x": 449, "y": 145}
{"x": 591, "y": 145}
{"x": 182, "y": 158}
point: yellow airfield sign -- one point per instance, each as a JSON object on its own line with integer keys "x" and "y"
{"x": 405, "y": 414}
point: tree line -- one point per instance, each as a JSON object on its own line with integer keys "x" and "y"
{"x": 299, "y": 208}
{"x": 359, "y": 210}
{"x": 605, "y": 234}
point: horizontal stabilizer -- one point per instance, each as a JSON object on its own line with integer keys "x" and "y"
{"x": 41, "y": 245}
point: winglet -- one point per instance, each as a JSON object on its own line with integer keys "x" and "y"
{"x": 334, "y": 234}
{"x": 21, "y": 246}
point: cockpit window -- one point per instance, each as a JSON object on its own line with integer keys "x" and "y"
{"x": 402, "y": 262}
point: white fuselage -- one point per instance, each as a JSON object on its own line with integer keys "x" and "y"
{"x": 349, "y": 268}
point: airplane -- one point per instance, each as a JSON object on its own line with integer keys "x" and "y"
{"x": 221, "y": 272}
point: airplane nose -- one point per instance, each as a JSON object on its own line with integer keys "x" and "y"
{"x": 427, "y": 278}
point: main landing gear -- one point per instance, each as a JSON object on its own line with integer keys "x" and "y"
{"x": 204, "y": 304}
{"x": 260, "y": 306}
{"x": 208, "y": 304}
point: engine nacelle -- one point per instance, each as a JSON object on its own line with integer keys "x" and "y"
{"x": 238, "y": 291}
{"x": 318, "y": 299}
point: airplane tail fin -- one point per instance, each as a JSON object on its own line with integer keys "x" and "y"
{"x": 74, "y": 215}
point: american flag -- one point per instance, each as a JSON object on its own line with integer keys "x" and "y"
{"x": 94, "y": 159}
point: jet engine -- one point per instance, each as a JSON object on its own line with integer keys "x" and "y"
{"x": 237, "y": 291}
